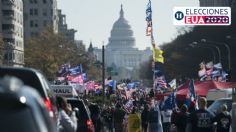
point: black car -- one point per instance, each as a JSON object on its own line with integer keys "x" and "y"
{"x": 85, "y": 123}
{"x": 36, "y": 80}
{"x": 22, "y": 108}
{"x": 216, "y": 105}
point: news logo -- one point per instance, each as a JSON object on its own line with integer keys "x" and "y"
{"x": 202, "y": 16}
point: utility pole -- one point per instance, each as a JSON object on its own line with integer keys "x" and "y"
{"x": 234, "y": 109}
{"x": 103, "y": 72}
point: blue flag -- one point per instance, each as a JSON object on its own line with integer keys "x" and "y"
{"x": 170, "y": 102}
{"x": 64, "y": 70}
{"x": 84, "y": 76}
{"x": 149, "y": 19}
{"x": 149, "y": 11}
{"x": 112, "y": 84}
{"x": 76, "y": 70}
{"x": 192, "y": 89}
{"x": 131, "y": 85}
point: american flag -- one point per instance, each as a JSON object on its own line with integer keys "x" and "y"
{"x": 170, "y": 101}
{"x": 209, "y": 72}
{"x": 129, "y": 106}
{"x": 160, "y": 82}
{"x": 97, "y": 85}
{"x": 149, "y": 19}
{"x": 90, "y": 85}
{"x": 76, "y": 79}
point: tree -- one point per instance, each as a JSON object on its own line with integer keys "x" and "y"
{"x": 49, "y": 51}
{"x": 145, "y": 70}
{"x": 182, "y": 61}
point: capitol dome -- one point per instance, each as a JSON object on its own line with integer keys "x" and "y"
{"x": 121, "y": 34}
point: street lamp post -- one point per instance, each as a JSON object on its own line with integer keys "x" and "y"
{"x": 234, "y": 109}
{"x": 230, "y": 37}
{"x": 216, "y": 47}
{"x": 233, "y": 99}
{"x": 227, "y": 47}
{"x": 206, "y": 47}
{"x": 103, "y": 72}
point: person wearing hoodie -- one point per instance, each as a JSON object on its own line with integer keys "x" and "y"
{"x": 154, "y": 118}
{"x": 223, "y": 120}
{"x": 67, "y": 118}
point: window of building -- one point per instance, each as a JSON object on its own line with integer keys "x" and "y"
{"x": 35, "y": 1}
{"x": 13, "y": 56}
{"x": 32, "y": 34}
{"x": 31, "y": 23}
{"x": 31, "y": 12}
{"x": 6, "y": 56}
{"x": 36, "y": 23}
{"x": 9, "y": 56}
{"x": 45, "y": 12}
{"x": 7, "y": 27}
{"x": 45, "y": 23}
{"x": 9, "y": 40}
{"x": 36, "y": 12}
{"x": 45, "y": 1}
{"x": 31, "y": 1}
{"x": 51, "y": 12}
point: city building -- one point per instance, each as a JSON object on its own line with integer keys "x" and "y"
{"x": 120, "y": 52}
{"x": 38, "y": 15}
{"x": 80, "y": 44}
{"x": 11, "y": 23}
{"x": 62, "y": 27}
{"x": 229, "y": 3}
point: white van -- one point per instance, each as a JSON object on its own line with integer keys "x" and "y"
{"x": 215, "y": 94}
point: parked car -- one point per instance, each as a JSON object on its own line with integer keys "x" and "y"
{"x": 36, "y": 80}
{"x": 214, "y": 94}
{"x": 22, "y": 108}
{"x": 216, "y": 106}
{"x": 85, "y": 123}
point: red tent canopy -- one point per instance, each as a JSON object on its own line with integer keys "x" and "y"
{"x": 202, "y": 87}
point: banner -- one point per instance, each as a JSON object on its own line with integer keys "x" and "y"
{"x": 157, "y": 55}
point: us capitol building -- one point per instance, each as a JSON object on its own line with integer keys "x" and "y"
{"x": 120, "y": 52}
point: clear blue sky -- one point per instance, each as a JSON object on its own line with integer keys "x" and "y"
{"x": 93, "y": 19}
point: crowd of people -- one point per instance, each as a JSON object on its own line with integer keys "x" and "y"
{"x": 145, "y": 114}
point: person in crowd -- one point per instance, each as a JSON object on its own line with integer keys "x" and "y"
{"x": 144, "y": 118}
{"x": 223, "y": 120}
{"x": 67, "y": 118}
{"x": 192, "y": 107}
{"x": 134, "y": 121}
{"x": 118, "y": 116}
{"x": 151, "y": 93}
{"x": 166, "y": 116}
{"x": 201, "y": 120}
{"x": 182, "y": 118}
{"x": 154, "y": 118}
{"x": 174, "y": 115}
{"x": 107, "y": 118}
{"x": 125, "y": 122}
{"x": 95, "y": 115}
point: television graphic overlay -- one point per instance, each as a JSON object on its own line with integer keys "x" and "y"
{"x": 202, "y": 16}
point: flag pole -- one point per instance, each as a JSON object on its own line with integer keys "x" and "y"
{"x": 154, "y": 64}
{"x": 103, "y": 72}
